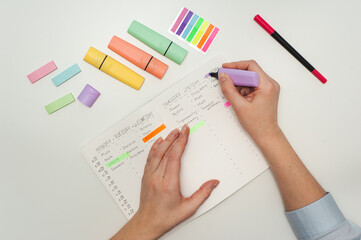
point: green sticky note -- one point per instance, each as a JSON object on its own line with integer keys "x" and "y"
{"x": 61, "y": 102}
{"x": 196, "y": 127}
{"x": 200, "y": 32}
{"x": 195, "y": 29}
{"x": 118, "y": 159}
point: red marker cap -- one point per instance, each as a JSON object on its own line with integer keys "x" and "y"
{"x": 264, "y": 24}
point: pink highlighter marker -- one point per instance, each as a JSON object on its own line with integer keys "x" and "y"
{"x": 239, "y": 77}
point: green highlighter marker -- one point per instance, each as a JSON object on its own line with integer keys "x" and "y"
{"x": 158, "y": 42}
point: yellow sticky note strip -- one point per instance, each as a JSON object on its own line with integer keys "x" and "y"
{"x": 200, "y": 32}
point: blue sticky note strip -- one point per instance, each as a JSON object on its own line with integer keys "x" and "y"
{"x": 190, "y": 26}
{"x": 66, "y": 75}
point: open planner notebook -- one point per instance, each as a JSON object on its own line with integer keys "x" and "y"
{"x": 218, "y": 147}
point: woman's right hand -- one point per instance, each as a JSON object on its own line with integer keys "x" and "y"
{"x": 256, "y": 108}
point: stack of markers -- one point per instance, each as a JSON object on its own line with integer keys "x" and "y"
{"x": 136, "y": 56}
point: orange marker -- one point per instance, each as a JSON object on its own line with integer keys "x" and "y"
{"x": 138, "y": 57}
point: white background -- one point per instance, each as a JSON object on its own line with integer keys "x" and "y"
{"x": 48, "y": 191}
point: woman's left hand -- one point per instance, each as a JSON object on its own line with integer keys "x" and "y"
{"x": 162, "y": 205}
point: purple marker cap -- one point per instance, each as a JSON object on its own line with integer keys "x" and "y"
{"x": 88, "y": 96}
{"x": 240, "y": 77}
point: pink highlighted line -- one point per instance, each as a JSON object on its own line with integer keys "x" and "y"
{"x": 179, "y": 19}
{"x": 227, "y": 104}
{"x": 210, "y": 39}
{"x": 42, "y": 71}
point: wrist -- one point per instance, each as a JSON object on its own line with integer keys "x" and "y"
{"x": 146, "y": 227}
{"x": 270, "y": 135}
{"x": 137, "y": 228}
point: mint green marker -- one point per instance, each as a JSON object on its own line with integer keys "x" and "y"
{"x": 158, "y": 42}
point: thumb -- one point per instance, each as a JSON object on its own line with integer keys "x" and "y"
{"x": 197, "y": 199}
{"x": 230, "y": 91}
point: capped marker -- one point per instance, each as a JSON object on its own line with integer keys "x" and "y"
{"x": 138, "y": 57}
{"x": 289, "y": 48}
{"x": 239, "y": 77}
{"x": 158, "y": 42}
{"x": 113, "y": 68}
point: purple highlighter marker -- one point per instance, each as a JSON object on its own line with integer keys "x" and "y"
{"x": 239, "y": 77}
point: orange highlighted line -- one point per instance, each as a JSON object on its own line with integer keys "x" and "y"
{"x": 205, "y": 36}
{"x": 155, "y": 132}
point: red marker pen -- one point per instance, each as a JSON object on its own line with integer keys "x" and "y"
{"x": 288, "y": 47}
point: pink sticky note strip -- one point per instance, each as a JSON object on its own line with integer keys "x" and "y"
{"x": 210, "y": 39}
{"x": 179, "y": 19}
{"x": 42, "y": 71}
{"x": 227, "y": 104}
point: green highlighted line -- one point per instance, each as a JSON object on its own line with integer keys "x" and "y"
{"x": 118, "y": 159}
{"x": 196, "y": 127}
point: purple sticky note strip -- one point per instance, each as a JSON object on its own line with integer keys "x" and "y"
{"x": 184, "y": 23}
{"x": 42, "y": 71}
{"x": 89, "y": 95}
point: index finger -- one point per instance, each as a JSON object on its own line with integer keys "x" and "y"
{"x": 250, "y": 65}
{"x": 174, "y": 156}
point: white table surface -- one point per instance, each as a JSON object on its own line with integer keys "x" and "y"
{"x": 48, "y": 191}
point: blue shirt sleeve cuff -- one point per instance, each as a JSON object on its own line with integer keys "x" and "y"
{"x": 316, "y": 219}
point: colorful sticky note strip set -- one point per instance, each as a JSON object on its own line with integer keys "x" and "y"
{"x": 88, "y": 96}
{"x": 194, "y": 30}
